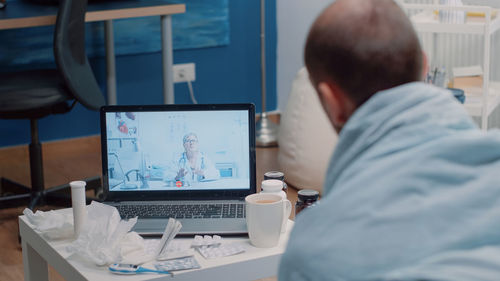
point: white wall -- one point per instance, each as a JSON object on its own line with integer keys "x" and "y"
{"x": 294, "y": 18}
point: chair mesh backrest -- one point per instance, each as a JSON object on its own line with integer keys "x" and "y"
{"x": 70, "y": 56}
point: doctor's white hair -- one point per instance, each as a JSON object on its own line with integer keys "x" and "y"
{"x": 186, "y": 136}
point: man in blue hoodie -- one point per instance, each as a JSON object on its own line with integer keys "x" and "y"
{"x": 412, "y": 191}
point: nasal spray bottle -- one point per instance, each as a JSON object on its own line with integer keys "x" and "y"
{"x": 78, "y": 203}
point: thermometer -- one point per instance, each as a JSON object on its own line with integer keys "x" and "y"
{"x": 121, "y": 268}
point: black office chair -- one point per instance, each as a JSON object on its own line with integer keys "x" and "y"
{"x": 38, "y": 93}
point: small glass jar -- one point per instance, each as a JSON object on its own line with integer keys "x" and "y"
{"x": 276, "y": 175}
{"x": 306, "y": 198}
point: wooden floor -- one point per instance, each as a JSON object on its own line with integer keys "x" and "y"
{"x": 65, "y": 161}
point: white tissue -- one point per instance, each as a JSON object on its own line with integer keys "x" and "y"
{"x": 106, "y": 239}
{"x": 52, "y": 225}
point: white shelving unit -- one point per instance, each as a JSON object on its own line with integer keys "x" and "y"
{"x": 425, "y": 18}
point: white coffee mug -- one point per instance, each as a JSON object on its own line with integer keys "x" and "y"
{"x": 264, "y": 216}
{"x": 276, "y": 187}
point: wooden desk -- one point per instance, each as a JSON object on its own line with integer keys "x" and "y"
{"x": 22, "y": 14}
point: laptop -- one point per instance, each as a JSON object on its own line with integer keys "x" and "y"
{"x": 194, "y": 163}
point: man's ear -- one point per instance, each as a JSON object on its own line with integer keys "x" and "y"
{"x": 336, "y": 103}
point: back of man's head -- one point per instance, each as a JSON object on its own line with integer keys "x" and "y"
{"x": 363, "y": 46}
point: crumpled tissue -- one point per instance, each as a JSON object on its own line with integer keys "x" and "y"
{"x": 106, "y": 238}
{"x": 52, "y": 225}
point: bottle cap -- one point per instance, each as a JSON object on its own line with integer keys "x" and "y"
{"x": 272, "y": 185}
{"x": 308, "y": 194}
{"x": 77, "y": 184}
{"x": 277, "y": 175}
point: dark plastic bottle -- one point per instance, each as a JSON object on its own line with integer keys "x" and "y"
{"x": 276, "y": 175}
{"x": 306, "y": 198}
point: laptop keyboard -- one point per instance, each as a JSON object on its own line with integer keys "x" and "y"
{"x": 189, "y": 211}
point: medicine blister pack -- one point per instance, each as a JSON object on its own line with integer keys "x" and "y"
{"x": 178, "y": 264}
{"x": 211, "y": 252}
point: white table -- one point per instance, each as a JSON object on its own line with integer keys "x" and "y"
{"x": 253, "y": 264}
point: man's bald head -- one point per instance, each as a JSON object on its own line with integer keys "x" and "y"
{"x": 363, "y": 46}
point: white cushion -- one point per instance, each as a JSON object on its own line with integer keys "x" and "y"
{"x": 306, "y": 137}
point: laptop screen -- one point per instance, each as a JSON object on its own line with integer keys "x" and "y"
{"x": 169, "y": 149}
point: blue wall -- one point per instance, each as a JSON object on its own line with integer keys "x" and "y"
{"x": 228, "y": 74}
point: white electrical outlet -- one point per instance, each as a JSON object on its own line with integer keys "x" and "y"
{"x": 184, "y": 72}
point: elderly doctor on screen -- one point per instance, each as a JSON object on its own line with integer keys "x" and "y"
{"x": 193, "y": 165}
{"x": 412, "y": 191}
